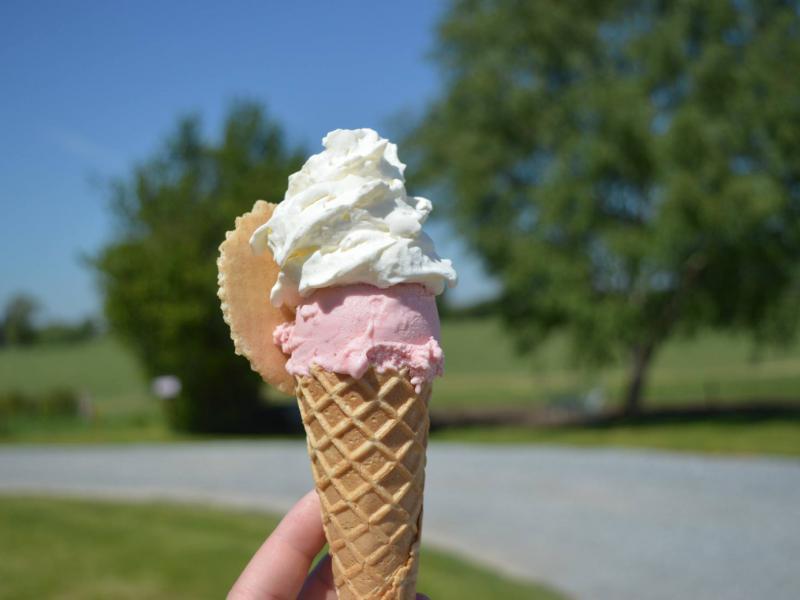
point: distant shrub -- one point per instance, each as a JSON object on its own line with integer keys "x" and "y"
{"x": 15, "y": 403}
{"x": 20, "y": 327}
{"x": 60, "y": 402}
{"x": 62, "y": 333}
{"x": 55, "y": 403}
{"x": 17, "y": 320}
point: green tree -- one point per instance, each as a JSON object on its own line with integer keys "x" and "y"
{"x": 159, "y": 274}
{"x": 18, "y": 320}
{"x": 629, "y": 170}
{"x": 61, "y": 332}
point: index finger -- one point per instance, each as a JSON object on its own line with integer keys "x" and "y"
{"x": 279, "y": 567}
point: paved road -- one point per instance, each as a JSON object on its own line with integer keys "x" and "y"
{"x": 597, "y": 524}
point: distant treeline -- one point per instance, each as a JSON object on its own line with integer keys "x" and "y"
{"x": 484, "y": 308}
{"x": 19, "y": 327}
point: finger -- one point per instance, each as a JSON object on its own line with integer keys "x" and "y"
{"x": 278, "y": 568}
{"x": 319, "y": 585}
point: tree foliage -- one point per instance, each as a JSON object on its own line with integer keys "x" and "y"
{"x": 159, "y": 274}
{"x": 18, "y": 323}
{"x": 629, "y": 170}
{"x": 64, "y": 332}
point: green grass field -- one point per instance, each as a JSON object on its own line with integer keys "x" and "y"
{"x": 780, "y": 436}
{"x": 103, "y": 371}
{"x": 101, "y": 368}
{"x": 482, "y": 370}
{"x": 64, "y": 549}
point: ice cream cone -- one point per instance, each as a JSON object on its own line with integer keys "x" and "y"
{"x": 337, "y": 299}
{"x": 367, "y": 439}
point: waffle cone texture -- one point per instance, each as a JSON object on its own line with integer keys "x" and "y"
{"x": 367, "y": 439}
{"x": 244, "y": 282}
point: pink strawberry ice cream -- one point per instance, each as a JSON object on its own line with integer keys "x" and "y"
{"x": 350, "y": 328}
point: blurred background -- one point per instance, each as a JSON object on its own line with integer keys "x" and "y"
{"x": 617, "y": 183}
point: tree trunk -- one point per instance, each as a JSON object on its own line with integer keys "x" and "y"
{"x": 640, "y": 362}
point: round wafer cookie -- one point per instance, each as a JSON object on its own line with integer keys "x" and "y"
{"x": 245, "y": 280}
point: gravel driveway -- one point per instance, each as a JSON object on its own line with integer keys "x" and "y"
{"x": 596, "y": 524}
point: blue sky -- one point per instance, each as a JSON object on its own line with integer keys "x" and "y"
{"x": 87, "y": 89}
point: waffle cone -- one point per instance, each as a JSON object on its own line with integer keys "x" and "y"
{"x": 367, "y": 439}
{"x": 244, "y": 282}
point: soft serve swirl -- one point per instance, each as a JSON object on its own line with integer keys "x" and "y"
{"x": 346, "y": 219}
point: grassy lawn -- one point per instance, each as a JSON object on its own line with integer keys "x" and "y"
{"x": 482, "y": 370}
{"x": 65, "y": 549}
{"x": 101, "y": 370}
{"x": 780, "y": 436}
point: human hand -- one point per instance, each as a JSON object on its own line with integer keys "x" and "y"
{"x": 279, "y": 569}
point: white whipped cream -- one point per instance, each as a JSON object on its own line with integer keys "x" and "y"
{"x": 346, "y": 219}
